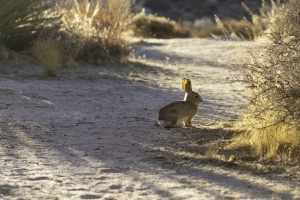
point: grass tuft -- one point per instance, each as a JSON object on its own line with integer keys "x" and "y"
{"x": 48, "y": 53}
{"x": 211, "y": 153}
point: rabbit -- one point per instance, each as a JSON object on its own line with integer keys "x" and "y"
{"x": 175, "y": 113}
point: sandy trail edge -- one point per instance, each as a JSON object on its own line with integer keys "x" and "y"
{"x": 90, "y": 134}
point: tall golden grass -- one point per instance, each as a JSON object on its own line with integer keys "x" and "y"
{"x": 98, "y": 27}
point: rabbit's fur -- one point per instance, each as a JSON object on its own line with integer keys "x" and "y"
{"x": 175, "y": 113}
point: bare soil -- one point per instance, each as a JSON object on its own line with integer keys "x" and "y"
{"x": 91, "y": 134}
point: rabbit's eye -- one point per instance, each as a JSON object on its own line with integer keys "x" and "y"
{"x": 196, "y": 96}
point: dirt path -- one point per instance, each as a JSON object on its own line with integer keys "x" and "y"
{"x": 91, "y": 135}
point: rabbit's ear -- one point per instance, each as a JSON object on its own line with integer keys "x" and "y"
{"x": 187, "y": 85}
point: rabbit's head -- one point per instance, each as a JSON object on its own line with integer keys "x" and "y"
{"x": 190, "y": 95}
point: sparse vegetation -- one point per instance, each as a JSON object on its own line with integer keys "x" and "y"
{"x": 84, "y": 30}
{"x": 271, "y": 119}
{"x": 87, "y": 30}
{"x": 161, "y": 27}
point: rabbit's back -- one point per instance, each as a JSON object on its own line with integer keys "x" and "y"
{"x": 175, "y": 113}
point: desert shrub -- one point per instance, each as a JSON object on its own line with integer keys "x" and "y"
{"x": 158, "y": 27}
{"x": 111, "y": 23}
{"x": 48, "y": 53}
{"x": 274, "y": 78}
{"x": 94, "y": 31}
{"x": 272, "y": 116}
{"x": 21, "y": 20}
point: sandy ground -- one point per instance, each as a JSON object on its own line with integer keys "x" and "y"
{"x": 90, "y": 134}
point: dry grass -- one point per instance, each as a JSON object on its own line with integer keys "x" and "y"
{"x": 48, "y": 53}
{"x": 88, "y": 30}
{"x": 97, "y": 29}
{"x": 271, "y": 119}
{"x": 262, "y": 22}
{"x": 91, "y": 31}
{"x": 241, "y": 27}
{"x": 211, "y": 153}
{"x": 268, "y": 140}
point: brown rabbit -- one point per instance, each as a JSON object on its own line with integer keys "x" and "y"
{"x": 175, "y": 113}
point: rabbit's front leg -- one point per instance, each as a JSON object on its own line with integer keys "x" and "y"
{"x": 188, "y": 123}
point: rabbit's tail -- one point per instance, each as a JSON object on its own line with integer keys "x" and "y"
{"x": 161, "y": 123}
